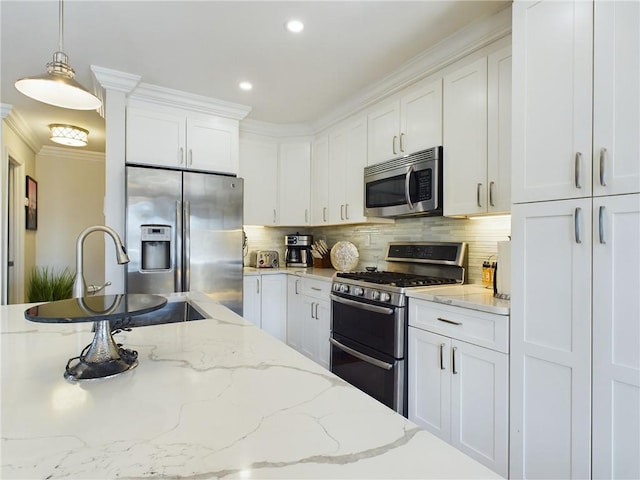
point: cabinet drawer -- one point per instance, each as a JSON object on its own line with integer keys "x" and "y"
{"x": 316, "y": 288}
{"x": 479, "y": 328}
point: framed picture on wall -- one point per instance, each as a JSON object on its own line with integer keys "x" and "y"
{"x": 31, "y": 204}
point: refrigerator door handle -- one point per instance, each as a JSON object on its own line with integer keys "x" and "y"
{"x": 177, "y": 272}
{"x": 187, "y": 246}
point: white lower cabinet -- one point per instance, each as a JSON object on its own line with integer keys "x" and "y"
{"x": 457, "y": 390}
{"x": 265, "y": 303}
{"x": 308, "y": 322}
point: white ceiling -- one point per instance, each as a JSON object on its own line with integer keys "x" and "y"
{"x": 208, "y": 47}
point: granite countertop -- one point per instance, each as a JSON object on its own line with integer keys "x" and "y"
{"x": 214, "y": 398}
{"x": 474, "y": 297}
{"x": 319, "y": 273}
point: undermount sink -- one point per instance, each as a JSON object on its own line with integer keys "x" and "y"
{"x": 172, "y": 312}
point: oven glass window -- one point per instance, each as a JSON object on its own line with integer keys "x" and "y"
{"x": 389, "y": 192}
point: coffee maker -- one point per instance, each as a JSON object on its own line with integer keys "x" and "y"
{"x": 298, "y": 252}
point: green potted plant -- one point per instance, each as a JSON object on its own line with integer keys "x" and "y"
{"x": 47, "y": 285}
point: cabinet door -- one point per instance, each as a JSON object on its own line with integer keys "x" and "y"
{"x": 309, "y": 346}
{"x": 320, "y": 181}
{"x": 551, "y": 340}
{"x": 616, "y": 333}
{"x": 274, "y": 305}
{"x": 480, "y": 404}
{"x": 323, "y": 327}
{"x": 499, "y": 131}
{"x": 354, "y": 171}
{"x": 616, "y": 98}
{"x": 430, "y": 382}
{"x": 293, "y": 186}
{"x": 212, "y": 144}
{"x": 295, "y": 313}
{"x": 384, "y": 137}
{"x": 259, "y": 168}
{"x": 421, "y": 118}
{"x": 155, "y": 138}
{"x": 552, "y": 80}
{"x": 465, "y": 140}
{"x": 251, "y": 299}
{"x": 338, "y": 157}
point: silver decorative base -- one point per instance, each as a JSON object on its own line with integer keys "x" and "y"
{"x": 103, "y": 358}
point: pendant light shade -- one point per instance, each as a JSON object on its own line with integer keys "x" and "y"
{"x": 69, "y": 135}
{"x": 58, "y": 86}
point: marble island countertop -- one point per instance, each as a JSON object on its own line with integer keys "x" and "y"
{"x": 214, "y": 398}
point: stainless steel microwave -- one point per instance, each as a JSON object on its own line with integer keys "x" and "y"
{"x": 405, "y": 186}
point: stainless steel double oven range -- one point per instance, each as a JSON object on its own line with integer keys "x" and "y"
{"x": 369, "y": 315}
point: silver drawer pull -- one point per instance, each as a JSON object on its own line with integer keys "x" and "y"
{"x": 577, "y": 170}
{"x": 316, "y": 289}
{"x": 442, "y": 345}
{"x": 576, "y": 224}
{"x": 365, "y": 358}
{"x": 452, "y": 322}
{"x": 601, "y": 225}
{"x": 453, "y": 360}
{"x": 603, "y": 154}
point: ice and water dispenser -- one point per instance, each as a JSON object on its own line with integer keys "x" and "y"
{"x": 156, "y": 247}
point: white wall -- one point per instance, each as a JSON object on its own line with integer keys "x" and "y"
{"x": 70, "y": 198}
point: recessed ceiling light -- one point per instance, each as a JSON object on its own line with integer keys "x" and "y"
{"x": 245, "y": 86}
{"x": 295, "y": 26}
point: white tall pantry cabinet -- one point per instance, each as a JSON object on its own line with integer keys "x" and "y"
{"x": 575, "y": 361}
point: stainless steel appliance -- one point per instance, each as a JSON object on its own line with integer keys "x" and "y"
{"x": 267, "y": 259}
{"x": 405, "y": 186}
{"x": 184, "y": 233}
{"x": 298, "y": 252}
{"x": 369, "y": 318}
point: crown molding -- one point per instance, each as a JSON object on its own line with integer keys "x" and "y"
{"x": 258, "y": 127}
{"x": 198, "y": 103}
{"x": 107, "y": 79}
{"x": 69, "y": 154}
{"x": 469, "y": 39}
{"x": 15, "y": 121}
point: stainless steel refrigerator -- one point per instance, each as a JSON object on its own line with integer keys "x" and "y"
{"x": 184, "y": 233}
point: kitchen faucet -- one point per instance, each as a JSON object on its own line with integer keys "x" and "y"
{"x": 79, "y": 285}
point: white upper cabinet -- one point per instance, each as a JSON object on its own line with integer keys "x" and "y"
{"x": 174, "y": 138}
{"x": 347, "y": 159}
{"x": 552, "y": 95}
{"x": 465, "y": 139}
{"x": 406, "y": 125}
{"x": 616, "y": 98}
{"x": 320, "y": 181}
{"x": 259, "y": 168}
{"x": 293, "y": 188}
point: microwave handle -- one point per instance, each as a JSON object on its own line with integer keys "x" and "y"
{"x": 407, "y": 185}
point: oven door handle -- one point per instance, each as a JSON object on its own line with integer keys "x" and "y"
{"x": 363, "y": 306}
{"x": 407, "y": 187}
{"x": 365, "y": 358}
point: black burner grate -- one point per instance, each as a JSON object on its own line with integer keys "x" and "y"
{"x": 396, "y": 279}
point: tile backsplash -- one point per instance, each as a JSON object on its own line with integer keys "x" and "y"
{"x": 482, "y": 235}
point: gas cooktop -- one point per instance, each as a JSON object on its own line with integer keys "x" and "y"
{"x": 395, "y": 279}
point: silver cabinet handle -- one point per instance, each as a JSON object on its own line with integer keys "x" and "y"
{"x": 342, "y": 212}
{"x": 258, "y": 285}
{"x": 324, "y": 214}
{"x": 316, "y": 289}
{"x": 491, "y": 185}
{"x": 401, "y": 142}
{"x": 578, "y": 170}
{"x": 274, "y": 215}
{"x": 393, "y": 144}
{"x": 312, "y": 304}
{"x": 181, "y": 156}
{"x": 407, "y": 187}
{"x": 603, "y": 154}
{"x": 346, "y": 211}
{"x": 306, "y": 215}
{"x": 296, "y": 286}
{"x": 316, "y": 317}
{"x": 576, "y": 224}
{"x": 453, "y": 361}
{"x": 601, "y": 225}
{"x": 190, "y": 157}
{"x": 442, "y": 345}
{"x": 187, "y": 246}
{"x": 361, "y": 356}
{"x": 478, "y": 194}
{"x": 362, "y": 306}
{"x": 452, "y": 322}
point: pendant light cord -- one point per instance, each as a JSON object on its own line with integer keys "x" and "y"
{"x": 61, "y": 29}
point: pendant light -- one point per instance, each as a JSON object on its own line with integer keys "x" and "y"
{"x": 58, "y": 86}
{"x": 68, "y": 135}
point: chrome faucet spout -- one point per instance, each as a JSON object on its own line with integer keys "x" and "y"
{"x": 79, "y": 284}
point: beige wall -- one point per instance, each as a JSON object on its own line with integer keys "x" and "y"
{"x": 17, "y": 148}
{"x": 71, "y": 195}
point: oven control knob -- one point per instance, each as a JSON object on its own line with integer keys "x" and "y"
{"x": 358, "y": 291}
{"x": 344, "y": 288}
{"x": 385, "y": 297}
{"x": 336, "y": 287}
{"x": 375, "y": 295}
